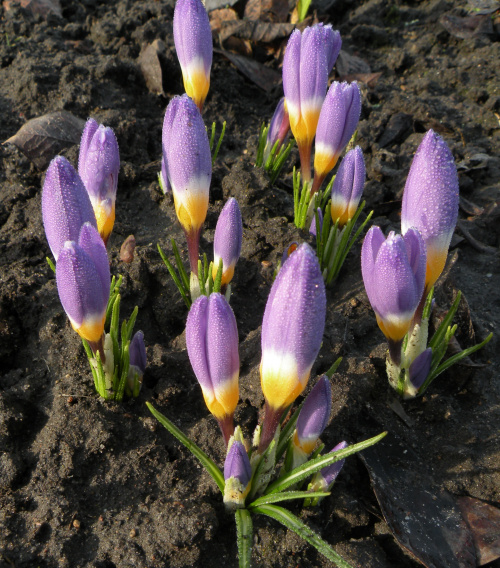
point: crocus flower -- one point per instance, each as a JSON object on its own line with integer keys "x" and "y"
{"x": 65, "y": 205}
{"x": 430, "y": 201}
{"x": 237, "y": 475}
{"x": 292, "y": 329}
{"x": 227, "y": 240}
{"x": 193, "y": 43}
{"x": 188, "y": 165}
{"x": 212, "y": 344}
{"x": 312, "y": 420}
{"x": 393, "y": 272}
{"x": 83, "y": 282}
{"x": 279, "y": 129}
{"x": 348, "y": 186}
{"x": 98, "y": 166}
{"x": 337, "y": 123}
{"x": 137, "y": 363}
{"x": 308, "y": 60}
{"x": 323, "y": 480}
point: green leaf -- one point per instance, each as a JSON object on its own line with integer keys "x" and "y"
{"x": 218, "y": 277}
{"x": 244, "y": 535}
{"x": 293, "y": 523}
{"x": 261, "y": 145}
{"x": 51, "y": 264}
{"x": 438, "y": 337}
{"x": 333, "y": 368}
{"x": 286, "y": 433}
{"x": 221, "y": 137}
{"x": 180, "y": 266}
{"x": 185, "y": 296}
{"x": 286, "y": 496}
{"x": 206, "y": 462}
{"x": 312, "y": 466}
{"x": 125, "y": 363}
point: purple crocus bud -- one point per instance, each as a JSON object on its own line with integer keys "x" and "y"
{"x": 227, "y": 240}
{"x": 65, "y": 205}
{"x": 193, "y": 43}
{"x": 237, "y": 475}
{"x": 420, "y": 368}
{"x": 312, "y": 228}
{"x": 212, "y": 345}
{"x": 137, "y": 364}
{"x": 334, "y": 44}
{"x": 98, "y": 166}
{"x": 313, "y": 417}
{"x": 337, "y": 123}
{"x": 292, "y": 330}
{"x": 188, "y": 164}
{"x": 83, "y": 282}
{"x": 279, "y": 129}
{"x": 348, "y": 186}
{"x": 430, "y": 201}
{"x": 305, "y": 76}
{"x": 393, "y": 272}
{"x": 323, "y": 480}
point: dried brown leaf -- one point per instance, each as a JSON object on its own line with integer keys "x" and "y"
{"x": 256, "y": 31}
{"x": 42, "y": 138}
{"x": 369, "y": 79}
{"x": 42, "y": 7}
{"x": 218, "y": 17}
{"x": 484, "y": 522}
{"x": 468, "y": 27}
{"x": 264, "y": 77}
{"x": 150, "y": 62}
{"x": 424, "y": 520}
{"x": 267, "y": 10}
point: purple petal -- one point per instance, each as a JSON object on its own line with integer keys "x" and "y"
{"x": 137, "y": 351}
{"x": 212, "y": 342}
{"x": 334, "y": 43}
{"x": 292, "y": 328}
{"x": 313, "y": 66}
{"x": 80, "y": 290}
{"x": 278, "y": 128}
{"x": 331, "y": 472}
{"x": 237, "y": 464}
{"x": 312, "y": 228}
{"x": 315, "y": 412}
{"x": 371, "y": 245}
{"x": 415, "y": 250}
{"x": 228, "y": 237}
{"x": 88, "y": 133}
{"x": 91, "y": 242}
{"x": 350, "y": 179}
{"x": 65, "y": 205}
{"x": 291, "y": 69}
{"x": 420, "y": 368}
{"x": 192, "y": 34}
{"x": 99, "y": 162}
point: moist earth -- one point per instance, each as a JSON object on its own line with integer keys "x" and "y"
{"x": 85, "y": 482}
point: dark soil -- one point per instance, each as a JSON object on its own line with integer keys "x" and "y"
{"x": 89, "y": 483}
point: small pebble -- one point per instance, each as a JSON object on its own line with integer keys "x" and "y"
{"x": 132, "y": 533}
{"x": 76, "y": 524}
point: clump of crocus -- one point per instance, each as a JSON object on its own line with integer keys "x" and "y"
{"x": 137, "y": 364}
{"x": 313, "y": 419}
{"x": 83, "y": 282}
{"x": 212, "y": 344}
{"x": 308, "y": 60}
{"x": 65, "y": 205}
{"x": 292, "y": 330}
{"x": 237, "y": 476}
{"x": 227, "y": 241}
{"x": 430, "y": 202}
{"x": 348, "y": 186}
{"x": 188, "y": 166}
{"x": 193, "y": 43}
{"x": 98, "y": 166}
{"x": 337, "y": 123}
{"x": 393, "y": 273}
{"x": 279, "y": 129}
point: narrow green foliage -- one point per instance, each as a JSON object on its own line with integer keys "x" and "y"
{"x": 51, "y": 264}
{"x": 276, "y": 159}
{"x": 293, "y": 523}
{"x": 333, "y": 368}
{"x": 285, "y": 496}
{"x": 302, "y": 8}
{"x": 261, "y": 145}
{"x": 218, "y": 277}
{"x": 219, "y": 142}
{"x": 301, "y": 200}
{"x": 206, "y": 462}
{"x": 244, "y": 534}
{"x": 300, "y": 473}
{"x": 181, "y": 278}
